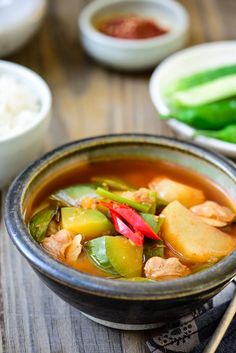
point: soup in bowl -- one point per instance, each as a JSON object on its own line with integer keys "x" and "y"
{"x": 133, "y": 230}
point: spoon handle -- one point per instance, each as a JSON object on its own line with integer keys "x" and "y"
{"x": 222, "y": 327}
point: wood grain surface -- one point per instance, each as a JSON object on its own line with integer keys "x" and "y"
{"x": 87, "y": 100}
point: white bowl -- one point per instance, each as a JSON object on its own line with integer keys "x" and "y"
{"x": 19, "y": 20}
{"x": 17, "y": 150}
{"x": 188, "y": 61}
{"x": 136, "y": 54}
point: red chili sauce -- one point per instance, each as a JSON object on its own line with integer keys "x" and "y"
{"x": 131, "y": 27}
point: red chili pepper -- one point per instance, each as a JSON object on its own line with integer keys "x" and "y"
{"x": 132, "y": 218}
{"x": 136, "y": 237}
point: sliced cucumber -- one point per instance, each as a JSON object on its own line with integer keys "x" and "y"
{"x": 116, "y": 255}
{"x": 199, "y": 78}
{"x": 209, "y": 92}
{"x": 96, "y": 250}
{"x": 124, "y": 257}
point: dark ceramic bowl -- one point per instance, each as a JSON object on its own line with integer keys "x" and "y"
{"x": 114, "y": 303}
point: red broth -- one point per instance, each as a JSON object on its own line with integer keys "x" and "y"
{"x": 133, "y": 171}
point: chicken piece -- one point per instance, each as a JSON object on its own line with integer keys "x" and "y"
{"x": 57, "y": 243}
{"x": 157, "y": 268}
{"x": 142, "y": 195}
{"x": 214, "y": 214}
{"x": 74, "y": 249}
{"x": 170, "y": 190}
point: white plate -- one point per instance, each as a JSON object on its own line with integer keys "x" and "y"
{"x": 185, "y": 62}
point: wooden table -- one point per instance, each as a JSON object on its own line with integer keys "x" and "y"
{"x": 88, "y": 100}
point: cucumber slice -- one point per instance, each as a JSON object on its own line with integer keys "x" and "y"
{"x": 213, "y": 91}
{"x": 90, "y": 223}
{"x": 124, "y": 257}
{"x": 96, "y": 249}
{"x": 199, "y": 78}
{"x": 116, "y": 255}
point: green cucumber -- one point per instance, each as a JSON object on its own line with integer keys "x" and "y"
{"x": 116, "y": 255}
{"x": 124, "y": 257}
{"x": 96, "y": 249}
{"x": 221, "y": 88}
{"x": 200, "y": 78}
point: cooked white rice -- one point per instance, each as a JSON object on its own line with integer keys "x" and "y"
{"x": 18, "y": 106}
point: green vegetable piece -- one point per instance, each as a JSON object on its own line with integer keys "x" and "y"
{"x": 199, "y": 78}
{"x": 211, "y": 116}
{"x": 153, "y": 248}
{"x": 221, "y": 88}
{"x": 116, "y": 255}
{"x": 227, "y": 134}
{"x": 117, "y": 198}
{"x": 72, "y": 195}
{"x": 96, "y": 249}
{"x": 90, "y": 223}
{"x": 124, "y": 257}
{"x": 114, "y": 184}
{"x": 155, "y": 222}
{"x": 39, "y": 223}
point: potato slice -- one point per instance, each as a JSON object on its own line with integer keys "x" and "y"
{"x": 170, "y": 190}
{"x": 192, "y": 237}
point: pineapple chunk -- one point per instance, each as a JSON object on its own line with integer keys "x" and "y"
{"x": 192, "y": 237}
{"x": 170, "y": 190}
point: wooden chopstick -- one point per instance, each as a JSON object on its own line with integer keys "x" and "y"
{"x": 222, "y": 327}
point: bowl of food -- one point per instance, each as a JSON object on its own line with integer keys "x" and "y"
{"x": 134, "y": 34}
{"x": 25, "y": 107}
{"x": 19, "y": 20}
{"x": 133, "y": 230}
{"x": 195, "y": 89}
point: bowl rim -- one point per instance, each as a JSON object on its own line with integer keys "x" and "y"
{"x": 159, "y": 102}
{"x": 43, "y": 94}
{"x": 85, "y": 26}
{"x": 38, "y": 10}
{"x": 201, "y": 282}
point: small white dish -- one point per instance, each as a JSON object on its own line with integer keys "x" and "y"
{"x": 183, "y": 63}
{"x": 136, "y": 54}
{"x": 19, "y": 20}
{"x": 22, "y": 147}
